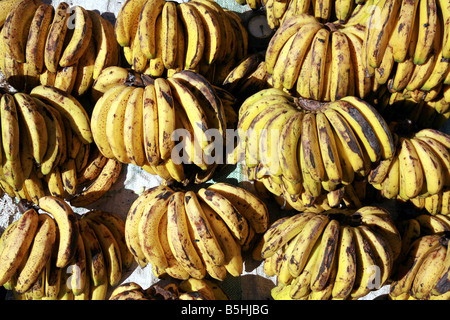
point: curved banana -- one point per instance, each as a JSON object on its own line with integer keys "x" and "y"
{"x": 311, "y": 149}
{"x": 54, "y": 44}
{"x": 81, "y": 36}
{"x": 411, "y": 171}
{"x": 79, "y": 282}
{"x": 17, "y": 245}
{"x": 69, "y": 107}
{"x": 169, "y": 33}
{"x": 428, "y": 20}
{"x": 224, "y": 208}
{"x": 166, "y": 117}
{"x": 179, "y": 240}
{"x": 67, "y": 222}
{"x": 128, "y": 14}
{"x": 133, "y": 129}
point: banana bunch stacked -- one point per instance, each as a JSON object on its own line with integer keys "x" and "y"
{"x": 47, "y": 149}
{"x": 163, "y": 125}
{"x": 422, "y": 272}
{"x": 322, "y": 62}
{"x": 333, "y": 255}
{"x": 187, "y": 234}
{"x": 189, "y": 289}
{"x": 162, "y": 37}
{"x": 62, "y": 47}
{"x": 308, "y": 147}
{"x": 418, "y": 171}
{"x": 408, "y": 50}
{"x": 55, "y": 255}
{"x": 324, "y": 10}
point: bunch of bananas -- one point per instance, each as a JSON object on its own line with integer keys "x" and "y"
{"x": 323, "y": 62}
{"x": 340, "y": 254}
{"x": 160, "y": 37}
{"x": 438, "y": 203}
{"x": 422, "y": 272}
{"x": 408, "y": 49}
{"x": 188, "y": 234}
{"x": 47, "y": 149}
{"x": 56, "y": 255}
{"x": 62, "y": 47}
{"x": 189, "y": 289}
{"x": 307, "y": 147}
{"x": 418, "y": 171}
{"x": 323, "y": 10}
{"x": 165, "y": 125}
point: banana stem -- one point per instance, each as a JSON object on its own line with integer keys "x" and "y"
{"x": 309, "y": 105}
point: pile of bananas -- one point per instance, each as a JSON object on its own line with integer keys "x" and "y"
{"x": 160, "y": 37}
{"x": 62, "y": 47}
{"x": 47, "y": 149}
{"x": 55, "y": 255}
{"x": 419, "y": 170}
{"x": 308, "y": 147}
{"x": 323, "y": 10}
{"x": 163, "y": 125}
{"x": 188, "y": 234}
{"x": 189, "y": 289}
{"x": 422, "y": 271}
{"x": 333, "y": 255}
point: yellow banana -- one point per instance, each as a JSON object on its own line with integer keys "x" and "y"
{"x": 428, "y": 21}
{"x": 146, "y": 29}
{"x": 311, "y": 149}
{"x": 169, "y": 33}
{"x": 133, "y": 129}
{"x": 54, "y": 44}
{"x": 127, "y": 16}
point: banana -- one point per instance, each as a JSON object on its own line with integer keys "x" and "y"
{"x": 169, "y": 33}
{"x": 114, "y": 126}
{"x": 132, "y": 222}
{"x": 411, "y": 171}
{"x": 16, "y": 28}
{"x": 384, "y": 71}
{"x": 6, "y": 7}
{"x": 286, "y": 30}
{"x": 99, "y": 292}
{"x": 85, "y": 71}
{"x": 322, "y": 269}
{"x": 17, "y": 245}
{"x": 428, "y": 273}
{"x": 203, "y": 236}
{"x": 294, "y": 59}
{"x": 69, "y": 107}
{"x": 110, "y": 249}
{"x": 10, "y": 127}
{"x": 346, "y": 272}
{"x": 212, "y": 31}
{"x": 311, "y": 149}
{"x": 40, "y": 251}
{"x": 431, "y": 224}
{"x": 224, "y": 208}
{"x": 340, "y": 68}
{"x": 328, "y": 149}
{"x": 133, "y": 129}
{"x": 155, "y": 67}
{"x": 417, "y": 252}
{"x": 442, "y": 153}
{"x": 34, "y": 187}
{"x": 54, "y": 44}
{"x": 55, "y": 137}
{"x": 233, "y": 259}
{"x": 181, "y": 48}
{"x": 100, "y": 186}
{"x": 166, "y": 116}
{"x": 148, "y": 230}
{"x": 179, "y": 239}
{"x": 391, "y": 184}
{"x": 348, "y": 140}
{"x": 81, "y": 36}
{"x": 312, "y": 187}
{"x": 440, "y": 136}
{"x": 95, "y": 164}
{"x": 378, "y": 124}
{"x": 68, "y": 228}
{"x": 150, "y": 123}
{"x": 431, "y": 165}
{"x": 98, "y": 119}
{"x": 127, "y": 16}
{"x": 146, "y": 27}
{"x": 303, "y": 87}
{"x": 106, "y": 45}
{"x": 428, "y": 20}
{"x": 319, "y": 46}
{"x": 213, "y": 104}
{"x": 196, "y": 114}
{"x": 365, "y": 261}
{"x": 309, "y": 235}
{"x": 95, "y": 258}
{"x": 250, "y": 206}
{"x": 34, "y": 49}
